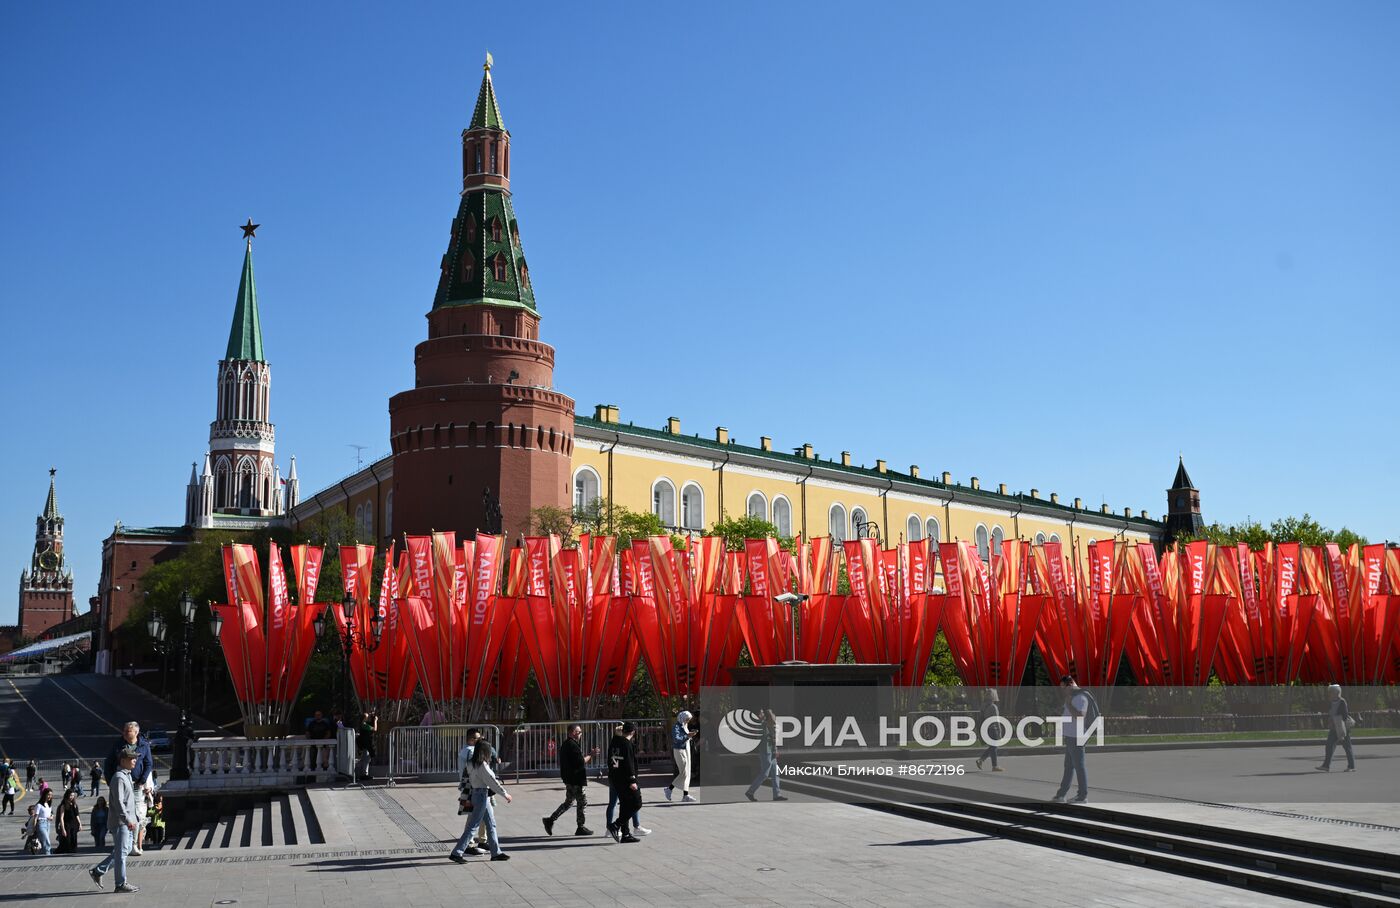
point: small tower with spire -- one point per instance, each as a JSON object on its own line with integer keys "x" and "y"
{"x": 46, "y": 588}
{"x": 1183, "y": 505}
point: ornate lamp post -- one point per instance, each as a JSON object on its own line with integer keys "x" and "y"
{"x": 184, "y": 734}
{"x": 155, "y": 626}
{"x": 352, "y": 638}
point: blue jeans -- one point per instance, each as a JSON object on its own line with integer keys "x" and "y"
{"x": 612, "y": 808}
{"x": 121, "y": 844}
{"x": 1332, "y": 739}
{"x": 766, "y": 764}
{"x": 1074, "y": 768}
{"x": 45, "y": 830}
{"x": 481, "y": 810}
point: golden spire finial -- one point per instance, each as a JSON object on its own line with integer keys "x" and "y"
{"x": 488, "y": 63}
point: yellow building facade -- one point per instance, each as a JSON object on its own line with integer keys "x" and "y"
{"x": 691, "y": 482}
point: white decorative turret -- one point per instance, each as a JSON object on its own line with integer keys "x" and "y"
{"x": 199, "y": 498}
{"x": 292, "y": 493}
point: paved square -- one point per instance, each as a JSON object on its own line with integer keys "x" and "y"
{"x": 388, "y": 847}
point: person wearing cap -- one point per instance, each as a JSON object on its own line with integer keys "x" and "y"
{"x": 124, "y": 818}
{"x": 1339, "y": 723}
{"x": 140, "y": 773}
{"x": 1072, "y": 722}
{"x": 573, "y": 769}
{"x": 622, "y": 776}
{"x": 681, "y": 736}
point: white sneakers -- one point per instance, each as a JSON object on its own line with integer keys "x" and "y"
{"x": 641, "y": 830}
{"x": 689, "y": 799}
{"x": 669, "y": 792}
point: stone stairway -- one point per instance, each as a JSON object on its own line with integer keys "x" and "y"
{"x": 279, "y": 820}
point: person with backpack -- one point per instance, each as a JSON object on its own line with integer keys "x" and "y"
{"x": 989, "y": 710}
{"x": 573, "y": 770}
{"x": 481, "y": 783}
{"x": 1080, "y": 712}
{"x": 10, "y": 784}
{"x": 1339, "y": 723}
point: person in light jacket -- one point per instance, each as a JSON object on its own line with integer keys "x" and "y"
{"x": 681, "y": 736}
{"x": 1339, "y": 724}
{"x": 990, "y": 698}
{"x": 124, "y": 817}
{"x": 481, "y": 781}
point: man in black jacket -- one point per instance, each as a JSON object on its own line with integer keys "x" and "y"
{"x": 573, "y": 770}
{"x": 622, "y": 775}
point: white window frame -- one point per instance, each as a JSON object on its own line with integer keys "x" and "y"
{"x": 773, "y": 507}
{"x": 763, "y": 505}
{"x": 658, "y": 507}
{"x": 936, "y": 533}
{"x": 913, "y": 529}
{"x": 837, "y": 524}
{"x": 698, "y": 523}
{"x": 582, "y": 472}
{"x": 983, "y": 539}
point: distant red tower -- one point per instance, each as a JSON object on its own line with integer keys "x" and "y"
{"x": 483, "y": 413}
{"x": 46, "y": 589}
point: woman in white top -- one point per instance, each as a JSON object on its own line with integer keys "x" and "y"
{"x": 43, "y": 821}
{"x": 479, "y": 783}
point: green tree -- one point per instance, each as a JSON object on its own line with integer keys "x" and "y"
{"x": 1285, "y": 529}
{"x": 548, "y": 520}
{"x": 734, "y": 530}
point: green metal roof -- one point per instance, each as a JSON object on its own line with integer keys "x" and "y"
{"x": 487, "y": 114}
{"x": 245, "y": 336}
{"x": 469, "y": 267}
{"x": 797, "y": 460}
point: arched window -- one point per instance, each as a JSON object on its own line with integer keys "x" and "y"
{"x": 983, "y": 544}
{"x": 1054, "y": 537}
{"x": 913, "y": 529}
{"x": 586, "y": 487}
{"x": 932, "y": 530}
{"x": 369, "y": 521}
{"x": 494, "y": 168}
{"x": 998, "y": 536}
{"x": 476, "y": 158}
{"x": 524, "y": 276}
{"x": 692, "y": 507}
{"x": 836, "y": 524}
{"x": 471, "y": 228}
{"x": 1040, "y": 539}
{"x": 500, "y": 267}
{"x": 757, "y": 506}
{"x": 359, "y": 521}
{"x": 663, "y": 501}
{"x": 495, "y": 230}
{"x": 1092, "y": 540}
{"x": 782, "y": 515}
{"x": 468, "y": 265}
{"x": 222, "y": 493}
{"x": 514, "y": 233}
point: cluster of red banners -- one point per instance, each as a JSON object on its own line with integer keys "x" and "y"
{"x": 468, "y": 620}
{"x": 266, "y": 641}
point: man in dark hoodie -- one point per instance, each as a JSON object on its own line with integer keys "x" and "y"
{"x": 622, "y": 776}
{"x": 573, "y": 769}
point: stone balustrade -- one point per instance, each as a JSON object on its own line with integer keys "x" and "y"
{"x": 241, "y": 764}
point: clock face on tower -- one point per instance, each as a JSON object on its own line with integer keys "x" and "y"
{"x": 48, "y": 560}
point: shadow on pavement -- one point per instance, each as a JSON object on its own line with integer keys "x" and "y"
{"x": 913, "y": 843}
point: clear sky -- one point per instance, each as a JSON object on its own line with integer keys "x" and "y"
{"x": 1049, "y": 245}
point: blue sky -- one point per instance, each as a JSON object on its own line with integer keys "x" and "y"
{"x": 1049, "y": 245}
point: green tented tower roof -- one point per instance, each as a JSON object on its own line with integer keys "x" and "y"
{"x": 245, "y": 336}
{"x": 487, "y": 114}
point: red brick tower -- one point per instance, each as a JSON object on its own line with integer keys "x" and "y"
{"x": 46, "y": 589}
{"x": 483, "y": 413}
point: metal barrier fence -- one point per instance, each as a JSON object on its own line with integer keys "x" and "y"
{"x": 431, "y": 750}
{"x": 527, "y": 749}
{"x": 533, "y": 748}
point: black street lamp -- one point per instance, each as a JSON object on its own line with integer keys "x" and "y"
{"x": 184, "y": 734}
{"x": 352, "y": 638}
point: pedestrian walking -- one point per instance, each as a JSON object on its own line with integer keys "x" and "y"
{"x": 10, "y": 787}
{"x": 767, "y": 760}
{"x": 622, "y": 776}
{"x": 481, "y": 783}
{"x": 43, "y": 820}
{"x": 29, "y": 772}
{"x": 140, "y": 773}
{"x": 65, "y": 777}
{"x": 75, "y": 779}
{"x": 1339, "y": 725}
{"x": 364, "y": 742}
{"x": 70, "y": 823}
{"x": 124, "y": 818}
{"x": 1079, "y": 713}
{"x": 681, "y": 736}
{"x": 97, "y": 822}
{"x": 573, "y": 770}
{"x": 990, "y": 699}
{"x": 30, "y": 832}
{"x": 96, "y": 778}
